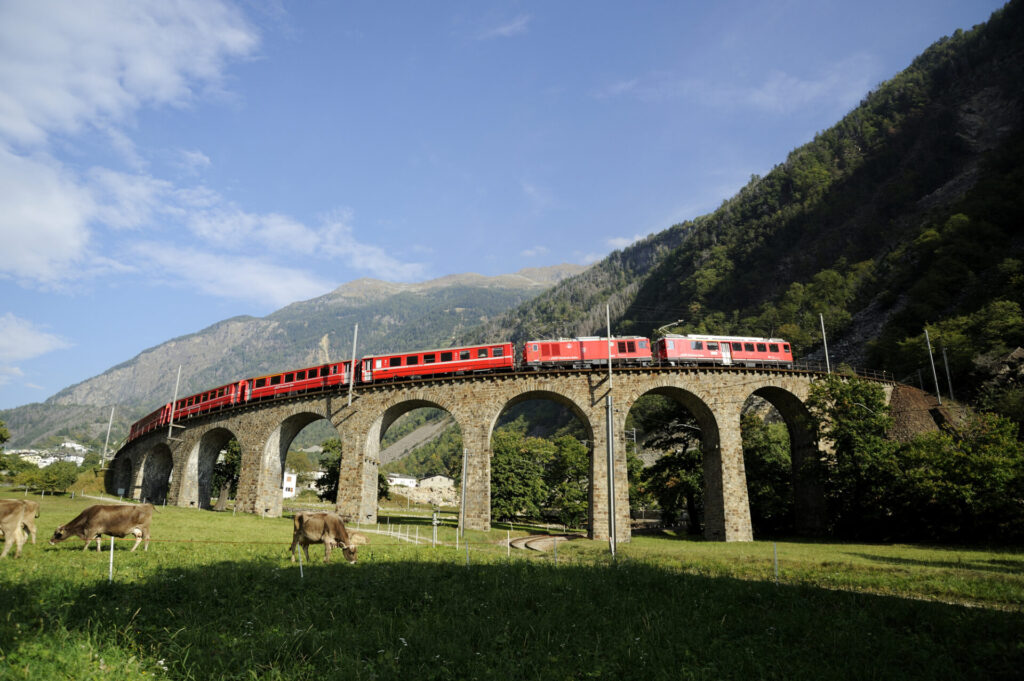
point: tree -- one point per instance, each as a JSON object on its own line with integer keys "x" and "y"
{"x": 769, "y": 472}
{"x": 963, "y": 483}
{"x": 852, "y": 417}
{"x": 676, "y": 480}
{"x": 517, "y": 474}
{"x": 5, "y": 434}
{"x": 567, "y": 478}
{"x": 330, "y": 460}
{"x": 225, "y": 473}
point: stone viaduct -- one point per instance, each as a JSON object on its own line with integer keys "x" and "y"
{"x": 180, "y": 470}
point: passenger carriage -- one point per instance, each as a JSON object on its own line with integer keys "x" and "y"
{"x": 473, "y": 359}
{"x": 745, "y": 351}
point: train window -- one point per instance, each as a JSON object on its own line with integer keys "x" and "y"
{"x": 631, "y": 346}
{"x": 446, "y": 356}
{"x": 535, "y": 347}
{"x": 412, "y": 360}
{"x": 712, "y": 346}
{"x": 643, "y": 344}
{"x": 761, "y": 347}
{"x": 696, "y": 345}
{"x": 275, "y": 380}
{"x": 749, "y": 347}
{"x": 429, "y": 359}
{"x": 313, "y": 373}
{"x": 785, "y": 348}
{"x": 395, "y": 362}
{"x": 499, "y": 352}
{"x": 671, "y": 345}
{"x": 737, "y": 347}
{"x": 300, "y": 376}
{"x": 220, "y": 393}
{"x": 260, "y": 382}
{"x": 622, "y": 347}
{"x": 378, "y": 364}
{"x": 464, "y": 354}
{"x": 773, "y": 347}
{"x": 481, "y": 352}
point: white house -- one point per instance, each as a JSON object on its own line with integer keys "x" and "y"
{"x": 290, "y": 483}
{"x": 401, "y": 480}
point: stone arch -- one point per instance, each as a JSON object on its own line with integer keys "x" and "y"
{"x": 157, "y": 470}
{"x": 708, "y": 423}
{"x": 272, "y": 460}
{"x": 543, "y": 394}
{"x": 197, "y": 484}
{"x": 808, "y": 492}
{"x": 120, "y": 475}
{"x": 483, "y": 475}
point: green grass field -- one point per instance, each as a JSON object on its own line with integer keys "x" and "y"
{"x": 216, "y": 597}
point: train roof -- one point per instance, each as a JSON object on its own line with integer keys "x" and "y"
{"x": 420, "y": 352}
{"x": 705, "y": 337}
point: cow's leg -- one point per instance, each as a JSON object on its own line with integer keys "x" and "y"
{"x": 305, "y": 550}
{"x": 291, "y": 549}
{"x": 145, "y": 535}
{"x": 138, "y": 538}
{"x": 7, "y": 543}
{"x": 328, "y": 545}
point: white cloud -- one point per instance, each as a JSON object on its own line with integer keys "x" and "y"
{"x": 508, "y": 29}
{"x": 20, "y": 339}
{"x": 192, "y": 160}
{"x": 44, "y": 216}
{"x": 65, "y": 64}
{"x": 619, "y": 242}
{"x": 840, "y": 85}
{"x": 534, "y": 252}
{"x": 226, "y": 276}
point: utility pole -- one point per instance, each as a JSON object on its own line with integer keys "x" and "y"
{"x": 611, "y": 442}
{"x": 935, "y": 376}
{"x": 174, "y": 405}
{"x": 949, "y": 379}
{"x": 824, "y": 341}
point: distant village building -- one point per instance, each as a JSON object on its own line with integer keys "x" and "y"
{"x": 437, "y": 482}
{"x": 290, "y": 483}
{"x": 401, "y": 480}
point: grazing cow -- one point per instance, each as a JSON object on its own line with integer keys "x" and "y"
{"x": 28, "y": 520}
{"x": 116, "y": 521}
{"x": 327, "y": 529}
{"x": 12, "y": 513}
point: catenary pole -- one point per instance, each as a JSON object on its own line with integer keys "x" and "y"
{"x": 107, "y": 442}
{"x": 611, "y": 443}
{"x": 174, "y": 402}
{"x": 352, "y": 367}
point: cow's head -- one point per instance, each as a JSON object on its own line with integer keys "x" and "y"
{"x": 60, "y": 534}
{"x": 349, "y": 551}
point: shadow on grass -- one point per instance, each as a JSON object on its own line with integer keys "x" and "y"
{"x": 520, "y": 620}
{"x": 979, "y": 564}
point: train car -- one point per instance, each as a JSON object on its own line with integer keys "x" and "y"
{"x": 215, "y": 398}
{"x": 745, "y": 351}
{"x": 299, "y": 380}
{"x": 473, "y": 359}
{"x": 150, "y": 422}
{"x": 583, "y": 352}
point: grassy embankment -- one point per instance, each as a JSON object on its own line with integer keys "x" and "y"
{"x": 216, "y": 597}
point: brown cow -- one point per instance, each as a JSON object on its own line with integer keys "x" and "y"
{"x": 116, "y": 521}
{"x": 327, "y": 529}
{"x": 12, "y": 513}
{"x": 28, "y": 520}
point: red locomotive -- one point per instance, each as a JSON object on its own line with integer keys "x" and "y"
{"x": 579, "y": 353}
{"x": 592, "y": 351}
{"x": 725, "y": 350}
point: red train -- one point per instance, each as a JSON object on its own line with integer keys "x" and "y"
{"x": 570, "y": 353}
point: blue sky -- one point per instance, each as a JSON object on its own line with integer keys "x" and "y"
{"x": 164, "y": 165}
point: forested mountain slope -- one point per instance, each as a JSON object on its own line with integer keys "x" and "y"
{"x": 907, "y": 212}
